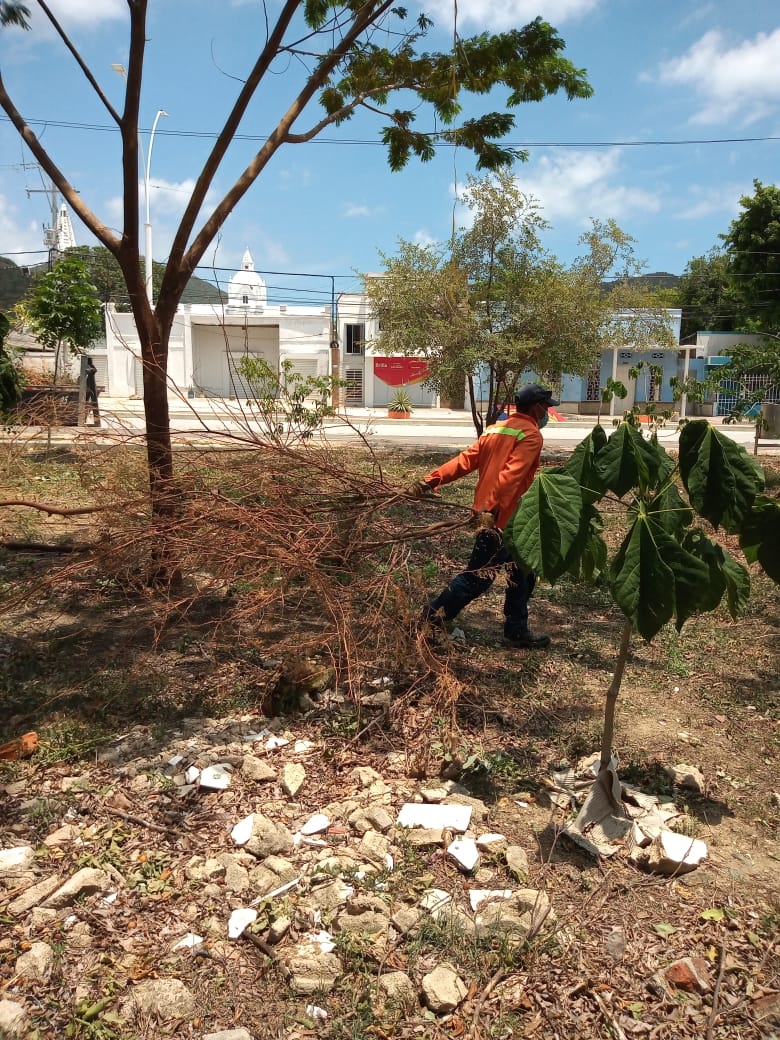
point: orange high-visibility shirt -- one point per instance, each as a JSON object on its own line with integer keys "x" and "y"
{"x": 507, "y": 456}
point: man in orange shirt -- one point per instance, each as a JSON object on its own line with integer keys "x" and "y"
{"x": 507, "y": 457}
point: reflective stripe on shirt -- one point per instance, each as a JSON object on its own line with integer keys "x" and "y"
{"x": 517, "y": 434}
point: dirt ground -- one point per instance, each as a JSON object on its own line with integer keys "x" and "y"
{"x": 114, "y": 694}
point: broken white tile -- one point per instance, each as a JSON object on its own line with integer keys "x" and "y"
{"x": 487, "y": 842}
{"x": 239, "y": 920}
{"x": 215, "y": 778}
{"x": 323, "y": 939}
{"x": 316, "y": 824}
{"x": 464, "y": 852}
{"x": 111, "y": 897}
{"x": 175, "y": 760}
{"x": 317, "y": 1013}
{"x": 479, "y": 895}
{"x": 435, "y": 899}
{"x": 250, "y": 738}
{"x": 191, "y": 774}
{"x": 678, "y": 853}
{"x": 453, "y": 817}
{"x": 275, "y": 742}
{"x": 521, "y": 803}
{"x": 242, "y": 831}
{"x": 189, "y": 942}
{"x": 300, "y": 747}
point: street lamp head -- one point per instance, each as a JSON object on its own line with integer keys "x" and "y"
{"x": 120, "y": 69}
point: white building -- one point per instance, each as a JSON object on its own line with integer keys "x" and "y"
{"x": 208, "y": 340}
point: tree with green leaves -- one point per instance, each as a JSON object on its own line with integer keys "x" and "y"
{"x": 11, "y": 381}
{"x": 667, "y": 566}
{"x": 494, "y": 304}
{"x": 704, "y": 295}
{"x": 752, "y": 245}
{"x": 63, "y": 310}
{"x": 337, "y": 60}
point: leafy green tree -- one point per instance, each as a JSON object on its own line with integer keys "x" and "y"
{"x": 704, "y": 294}
{"x": 63, "y": 310}
{"x": 11, "y": 381}
{"x": 495, "y": 304}
{"x": 421, "y": 302}
{"x": 753, "y": 247}
{"x": 338, "y": 59}
{"x": 667, "y": 566}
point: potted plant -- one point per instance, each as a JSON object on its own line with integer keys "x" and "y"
{"x": 400, "y": 406}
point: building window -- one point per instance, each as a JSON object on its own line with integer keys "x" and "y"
{"x": 245, "y": 299}
{"x": 593, "y": 389}
{"x": 354, "y": 338}
{"x": 654, "y": 384}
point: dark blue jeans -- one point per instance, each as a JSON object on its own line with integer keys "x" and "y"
{"x": 487, "y": 557}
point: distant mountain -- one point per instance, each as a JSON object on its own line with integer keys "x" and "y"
{"x": 14, "y": 282}
{"x": 651, "y": 282}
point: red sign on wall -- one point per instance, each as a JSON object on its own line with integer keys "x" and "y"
{"x": 400, "y": 371}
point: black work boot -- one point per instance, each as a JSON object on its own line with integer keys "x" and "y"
{"x": 527, "y": 640}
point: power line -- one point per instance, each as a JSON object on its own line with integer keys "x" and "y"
{"x": 210, "y": 135}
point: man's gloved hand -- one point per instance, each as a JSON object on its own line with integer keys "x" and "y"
{"x": 482, "y": 520}
{"x": 417, "y": 489}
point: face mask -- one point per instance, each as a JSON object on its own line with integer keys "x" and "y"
{"x": 543, "y": 421}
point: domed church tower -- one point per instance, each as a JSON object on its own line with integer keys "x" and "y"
{"x": 246, "y": 290}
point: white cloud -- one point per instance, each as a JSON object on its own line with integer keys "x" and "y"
{"x": 722, "y": 198}
{"x": 424, "y": 238}
{"x": 497, "y": 15}
{"x": 21, "y": 242}
{"x": 731, "y": 79}
{"x": 578, "y": 185}
{"x": 87, "y": 11}
{"x": 353, "y": 210}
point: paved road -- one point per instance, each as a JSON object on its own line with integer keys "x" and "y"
{"x": 216, "y": 421}
{"x": 429, "y": 429}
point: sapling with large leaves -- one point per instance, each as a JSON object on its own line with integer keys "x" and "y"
{"x": 667, "y": 566}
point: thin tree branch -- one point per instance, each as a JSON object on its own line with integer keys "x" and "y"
{"x": 80, "y": 62}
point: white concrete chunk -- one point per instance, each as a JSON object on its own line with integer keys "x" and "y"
{"x": 239, "y": 920}
{"x": 453, "y": 817}
{"x": 481, "y": 895}
{"x": 316, "y": 824}
{"x": 242, "y": 831}
{"x": 465, "y": 853}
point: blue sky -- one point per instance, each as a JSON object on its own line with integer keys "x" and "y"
{"x": 682, "y": 71}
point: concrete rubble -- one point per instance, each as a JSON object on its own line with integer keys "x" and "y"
{"x": 306, "y": 878}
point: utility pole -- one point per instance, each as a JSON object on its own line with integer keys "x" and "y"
{"x": 57, "y": 236}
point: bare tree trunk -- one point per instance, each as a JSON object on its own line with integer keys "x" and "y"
{"x": 612, "y": 695}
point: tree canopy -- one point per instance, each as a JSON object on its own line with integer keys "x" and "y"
{"x": 494, "y": 303}
{"x": 753, "y": 248}
{"x": 63, "y": 309}
{"x": 336, "y": 60}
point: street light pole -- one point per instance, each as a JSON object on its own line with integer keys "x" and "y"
{"x": 122, "y": 71}
{"x": 148, "y": 223}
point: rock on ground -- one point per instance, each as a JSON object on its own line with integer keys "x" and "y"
{"x": 443, "y": 989}
{"x": 13, "y": 1019}
{"x": 168, "y": 998}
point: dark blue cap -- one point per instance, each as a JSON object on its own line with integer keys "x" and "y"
{"x": 533, "y": 393}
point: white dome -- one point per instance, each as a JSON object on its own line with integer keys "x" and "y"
{"x": 247, "y": 289}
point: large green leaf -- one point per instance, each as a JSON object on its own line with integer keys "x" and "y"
{"x": 628, "y": 461}
{"x": 581, "y": 465}
{"x": 759, "y": 537}
{"x": 587, "y": 557}
{"x": 720, "y": 477}
{"x": 642, "y": 583}
{"x": 544, "y": 527}
{"x": 670, "y": 510}
{"x": 725, "y": 574}
{"x": 691, "y": 577}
